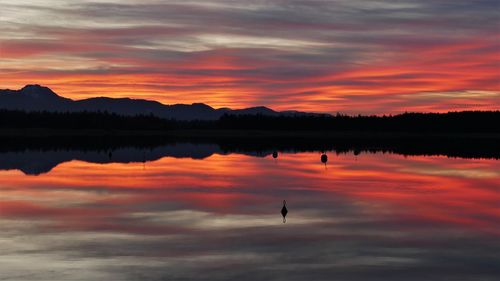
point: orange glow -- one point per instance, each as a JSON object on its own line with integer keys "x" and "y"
{"x": 434, "y": 79}
{"x": 433, "y": 189}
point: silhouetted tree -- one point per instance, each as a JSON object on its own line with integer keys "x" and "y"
{"x": 452, "y": 122}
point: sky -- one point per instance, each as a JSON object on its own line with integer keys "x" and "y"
{"x": 354, "y": 57}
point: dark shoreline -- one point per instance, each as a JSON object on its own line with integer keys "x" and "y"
{"x": 465, "y": 145}
{"x": 216, "y": 133}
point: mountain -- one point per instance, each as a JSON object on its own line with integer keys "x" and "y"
{"x": 32, "y": 98}
{"x": 39, "y": 98}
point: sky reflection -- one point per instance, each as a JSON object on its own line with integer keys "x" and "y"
{"x": 376, "y": 216}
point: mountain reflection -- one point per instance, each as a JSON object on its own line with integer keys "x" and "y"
{"x": 35, "y": 158}
{"x": 381, "y": 216}
{"x": 35, "y": 162}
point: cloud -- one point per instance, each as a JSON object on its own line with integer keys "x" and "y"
{"x": 247, "y": 53}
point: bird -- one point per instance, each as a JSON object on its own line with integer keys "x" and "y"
{"x": 324, "y": 158}
{"x": 284, "y": 211}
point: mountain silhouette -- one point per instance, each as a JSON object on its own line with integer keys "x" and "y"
{"x": 39, "y": 98}
{"x": 33, "y": 98}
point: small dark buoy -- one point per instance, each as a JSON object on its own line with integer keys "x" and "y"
{"x": 284, "y": 211}
{"x": 275, "y": 154}
{"x": 110, "y": 154}
{"x": 356, "y": 152}
{"x": 324, "y": 158}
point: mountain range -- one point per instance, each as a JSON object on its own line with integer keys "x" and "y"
{"x": 39, "y": 98}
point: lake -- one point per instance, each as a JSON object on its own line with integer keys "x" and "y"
{"x": 195, "y": 211}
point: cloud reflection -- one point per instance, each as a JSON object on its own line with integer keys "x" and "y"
{"x": 376, "y": 216}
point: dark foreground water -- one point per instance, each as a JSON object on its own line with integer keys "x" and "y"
{"x": 193, "y": 212}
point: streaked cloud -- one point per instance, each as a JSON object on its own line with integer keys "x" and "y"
{"x": 348, "y": 56}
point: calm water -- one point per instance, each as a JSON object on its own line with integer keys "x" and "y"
{"x": 216, "y": 216}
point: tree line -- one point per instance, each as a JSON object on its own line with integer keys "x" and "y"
{"x": 464, "y": 121}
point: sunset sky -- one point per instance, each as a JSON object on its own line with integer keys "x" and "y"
{"x": 368, "y": 57}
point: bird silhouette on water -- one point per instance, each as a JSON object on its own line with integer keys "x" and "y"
{"x": 324, "y": 158}
{"x": 275, "y": 157}
{"x": 284, "y": 211}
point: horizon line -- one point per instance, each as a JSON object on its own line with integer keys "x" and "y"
{"x": 332, "y": 113}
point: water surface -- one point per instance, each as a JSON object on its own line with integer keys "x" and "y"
{"x": 160, "y": 214}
